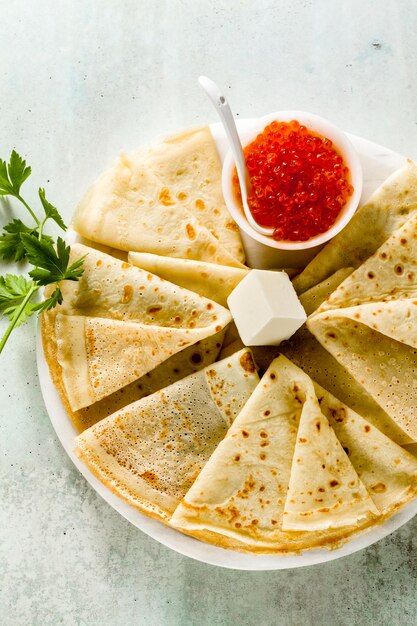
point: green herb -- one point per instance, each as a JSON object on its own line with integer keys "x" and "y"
{"x": 20, "y": 241}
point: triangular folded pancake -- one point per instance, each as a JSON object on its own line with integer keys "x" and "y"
{"x": 315, "y": 296}
{"x": 164, "y": 199}
{"x": 388, "y": 472}
{"x": 178, "y": 366}
{"x": 115, "y": 290}
{"x": 308, "y": 353}
{"x": 99, "y": 356}
{"x": 151, "y": 451}
{"x": 241, "y": 493}
{"x": 324, "y": 490}
{"x": 368, "y": 325}
{"x": 388, "y": 275}
{"x": 208, "y": 279}
{"x": 387, "y": 369}
{"x": 122, "y": 255}
{"x": 396, "y": 319}
{"x": 386, "y": 211}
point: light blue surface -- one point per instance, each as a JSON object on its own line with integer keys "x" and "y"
{"x": 80, "y": 80}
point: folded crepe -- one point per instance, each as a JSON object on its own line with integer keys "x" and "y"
{"x": 368, "y": 324}
{"x": 188, "y": 361}
{"x": 315, "y": 296}
{"x": 115, "y": 289}
{"x": 164, "y": 199}
{"x": 259, "y": 480}
{"x": 388, "y": 471}
{"x": 308, "y": 353}
{"x": 386, "y": 211}
{"x": 296, "y": 470}
{"x": 151, "y": 451}
{"x": 99, "y": 356}
{"x": 208, "y": 279}
{"x": 118, "y": 323}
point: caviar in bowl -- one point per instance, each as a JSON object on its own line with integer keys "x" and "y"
{"x": 305, "y": 181}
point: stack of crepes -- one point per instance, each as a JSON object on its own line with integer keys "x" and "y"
{"x": 311, "y": 455}
{"x": 124, "y": 332}
{"x": 165, "y": 199}
{"x": 291, "y": 467}
{"x": 360, "y": 343}
{"x": 163, "y": 208}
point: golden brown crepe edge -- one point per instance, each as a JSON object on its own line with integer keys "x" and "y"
{"x": 331, "y": 539}
{"x": 50, "y": 350}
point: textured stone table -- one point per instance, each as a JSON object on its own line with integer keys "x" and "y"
{"x": 80, "y": 80}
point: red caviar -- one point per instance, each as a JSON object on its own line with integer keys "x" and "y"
{"x": 299, "y": 181}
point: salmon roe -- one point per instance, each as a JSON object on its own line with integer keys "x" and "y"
{"x": 299, "y": 181}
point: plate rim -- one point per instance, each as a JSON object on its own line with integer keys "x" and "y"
{"x": 184, "y": 544}
{"x": 174, "y": 539}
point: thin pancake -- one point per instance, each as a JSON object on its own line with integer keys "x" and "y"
{"x": 240, "y": 494}
{"x": 313, "y": 297}
{"x": 165, "y": 199}
{"x": 308, "y": 353}
{"x": 151, "y": 451}
{"x": 210, "y": 280}
{"x": 388, "y": 472}
{"x": 184, "y": 363}
{"x": 390, "y": 274}
{"x": 99, "y": 356}
{"x": 387, "y": 369}
{"x": 324, "y": 489}
{"x": 369, "y": 325}
{"x": 411, "y": 448}
{"x": 386, "y": 211}
{"x": 112, "y": 289}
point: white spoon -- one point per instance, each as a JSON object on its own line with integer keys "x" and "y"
{"x": 229, "y": 125}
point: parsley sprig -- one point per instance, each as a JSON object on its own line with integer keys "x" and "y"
{"x": 22, "y": 242}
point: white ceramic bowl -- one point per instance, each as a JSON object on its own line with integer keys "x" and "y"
{"x": 300, "y": 252}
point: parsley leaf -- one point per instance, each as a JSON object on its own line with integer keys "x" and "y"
{"x": 18, "y": 172}
{"x": 50, "y": 303}
{"x": 11, "y": 245}
{"x": 13, "y": 175}
{"x": 51, "y": 265}
{"x": 29, "y": 309}
{"x": 13, "y": 290}
{"x": 19, "y": 241}
{"x": 50, "y": 211}
{"x": 6, "y": 186}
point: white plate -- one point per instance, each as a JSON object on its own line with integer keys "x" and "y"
{"x": 378, "y": 163}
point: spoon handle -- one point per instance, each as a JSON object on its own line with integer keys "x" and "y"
{"x": 226, "y": 116}
{"x": 229, "y": 125}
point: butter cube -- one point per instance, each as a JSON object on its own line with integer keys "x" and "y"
{"x": 266, "y": 308}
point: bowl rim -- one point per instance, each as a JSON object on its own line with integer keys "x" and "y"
{"x": 322, "y": 126}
